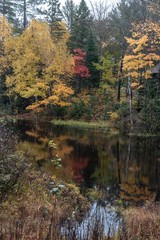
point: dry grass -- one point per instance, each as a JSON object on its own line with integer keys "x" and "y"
{"x": 31, "y": 212}
{"x": 142, "y": 223}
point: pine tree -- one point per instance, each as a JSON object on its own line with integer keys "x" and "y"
{"x": 91, "y": 59}
{"x": 53, "y": 15}
{"x": 69, "y": 11}
{"x": 81, "y": 25}
{"x": 27, "y": 10}
{"x": 7, "y": 9}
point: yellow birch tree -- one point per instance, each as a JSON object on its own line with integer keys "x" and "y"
{"x": 142, "y": 54}
{"x": 143, "y": 50}
{"x": 40, "y": 67}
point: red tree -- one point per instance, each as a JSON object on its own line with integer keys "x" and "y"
{"x": 80, "y": 69}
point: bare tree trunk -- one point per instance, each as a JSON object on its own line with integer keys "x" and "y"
{"x": 118, "y": 163}
{"x": 130, "y": 100}
{"x": 119, "y": 80}
{"x": 24, "y": 14}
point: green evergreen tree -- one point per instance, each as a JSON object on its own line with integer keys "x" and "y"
{"x": 120, "y": 23}
{"x": 7, "y": 9}
{"x": 91, "y": 59}
{"x": 69, "y": 11}
{"x": 54, "y": 16}
{"x": 27, "y": 10}
{"x": 80, "y": 28}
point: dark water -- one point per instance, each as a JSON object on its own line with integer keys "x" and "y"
{"x": 117, "y": 169}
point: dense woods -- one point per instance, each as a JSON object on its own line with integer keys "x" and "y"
{"x": 79, "y": 62}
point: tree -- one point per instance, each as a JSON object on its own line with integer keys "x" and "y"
{"x": 80, "y": 27}
{"x": 40, "y": 67}
{"x": 154, "y": 10}
{"x": 53, "y": 14}
{"x": 26, "y": 10}
{"x": 143, "y": 52}
{"x": 69, "y": 11}
{"x": 81, "y": 70}
{"x": 7, "y": 9}
{"x": 5, "y": 35}
{"x": 121, "y": 19}
{"x": 119, "y": 27}
{"x": 92, "y": 58}
{"x": 107, "y": 65}
{"x": 100, "y": 12}
{"x": 19, "y": 12}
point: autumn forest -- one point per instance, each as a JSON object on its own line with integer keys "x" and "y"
{"x": 79, "y": 120}
{"x": 79, "y": 62}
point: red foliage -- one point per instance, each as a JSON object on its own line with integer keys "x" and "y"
{"x": 80, "y": 69}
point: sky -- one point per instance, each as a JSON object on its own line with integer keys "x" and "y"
{"x": 110, "y": 2}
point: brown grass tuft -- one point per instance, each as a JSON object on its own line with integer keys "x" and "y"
{"x": 142, "y": 223}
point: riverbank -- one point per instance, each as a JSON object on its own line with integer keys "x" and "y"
{"x": 99, "y": 125}
{"x": 106, "y": 126}
{"x": 142, "y": 223}
{"x": 39, "y": 207}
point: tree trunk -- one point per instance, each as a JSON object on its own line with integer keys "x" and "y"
{"x": 119, "y": 80}
{"x": 130, "y": 100}
{"x": 24, "y": 14}
{"x": 118, "y": 163}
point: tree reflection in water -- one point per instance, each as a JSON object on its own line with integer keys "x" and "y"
{"x": 119, "y": 166}
{"x": 91, "y": 158}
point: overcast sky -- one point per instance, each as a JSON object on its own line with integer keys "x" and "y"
{"x": 88, "y": 1}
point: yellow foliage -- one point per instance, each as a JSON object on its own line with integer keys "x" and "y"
{"x": 5, "y": 34}
{"x": 114, "y": 116}
{"x": 134, "y": 85}
{"x": 5, "y": 29}
{"x": 41, "y": 68}
{"x": 142, "y": 50}
{"x": 84, "y": 97}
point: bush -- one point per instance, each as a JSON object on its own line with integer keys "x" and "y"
{"x": 80, "y": 110}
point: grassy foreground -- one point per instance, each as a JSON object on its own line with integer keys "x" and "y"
{"x": 142, "y": 223}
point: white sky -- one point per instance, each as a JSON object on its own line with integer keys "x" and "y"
{"x": 110, "y": 2}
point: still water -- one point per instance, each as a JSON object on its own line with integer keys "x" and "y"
{"x": 120, "y": 169}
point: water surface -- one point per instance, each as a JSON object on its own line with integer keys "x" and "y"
{"x": 114, "y": 169}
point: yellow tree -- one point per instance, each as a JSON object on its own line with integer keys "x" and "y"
{"x": 143, "y": 50}
{"x": 40, "y": 68}
{"x": 142, "y": 54}
{"x": 5, "y": 35}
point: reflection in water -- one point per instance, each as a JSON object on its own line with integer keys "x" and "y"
{"x": 97, "y": 224}
{"x": 121, "y": 166}
{"x": 92, "y": 158}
